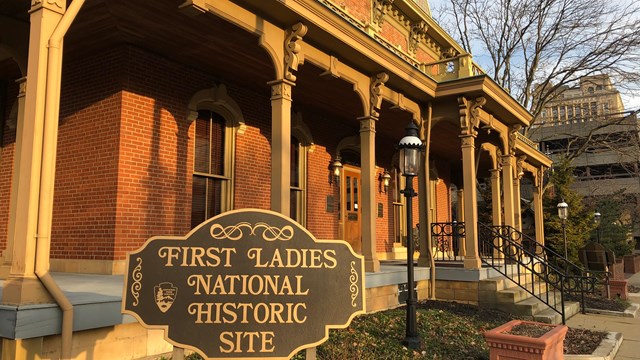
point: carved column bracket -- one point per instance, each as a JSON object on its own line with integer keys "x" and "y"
{"x": 377, "y": 82}
{"x": 512, "y": 138}
{"x": 292, "y": 49}
{"x": 520, "y": 167}
{"x": 469, "y": 111}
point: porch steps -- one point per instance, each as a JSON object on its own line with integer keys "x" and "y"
{"x": 503, "y": 294}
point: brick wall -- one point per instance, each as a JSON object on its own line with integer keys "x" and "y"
{"x": 87, "y": 158}
{"x": 394, "y": 36}
{"x": 7, "y": 151}
{"x": 125, "y": 158}
{"x": 360, "y": 9}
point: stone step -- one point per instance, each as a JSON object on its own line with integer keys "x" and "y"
{"x": 517, "y": 294}
{"x": 501, "y": 282}
{"x": 549, "y": 316}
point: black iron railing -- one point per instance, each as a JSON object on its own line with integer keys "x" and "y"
{"x": 538, "y": 269}
{"x": 514, "y": 260}
{"x": 447, "y": 239}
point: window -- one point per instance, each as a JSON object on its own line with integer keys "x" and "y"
{"x": 298, "y": 181}
{"x": 210, "y": 175}
{"x": 594, "y": 109}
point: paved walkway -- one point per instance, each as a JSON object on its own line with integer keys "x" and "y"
{"x": 629, "y": 327}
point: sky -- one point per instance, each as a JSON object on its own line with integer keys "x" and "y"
{"x": 631, "y": 100}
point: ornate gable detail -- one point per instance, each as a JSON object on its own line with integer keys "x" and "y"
{"x": 377, "y": 82}
{"x": 380, "y": 9}
{"x": 292, "y": 48}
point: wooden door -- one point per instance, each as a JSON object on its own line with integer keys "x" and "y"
{"x": 350, "y": 200}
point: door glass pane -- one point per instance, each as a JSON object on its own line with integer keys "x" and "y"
{"x": 348, "y": 192}
{"x": 355, "y": 194}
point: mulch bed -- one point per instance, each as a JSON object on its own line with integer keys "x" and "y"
{"x": 600, "y": 302}
{"x": 582, "y": 341}
{"x": 633, "y": 289}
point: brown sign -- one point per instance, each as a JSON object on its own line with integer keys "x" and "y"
{"x": 245, "y": 284}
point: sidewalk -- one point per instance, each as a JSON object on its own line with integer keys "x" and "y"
{"x": 629, "y": 327}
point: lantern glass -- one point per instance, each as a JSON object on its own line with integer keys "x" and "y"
{"x": 563, "y": 210}
{"x": 597, "y": 217}
{"x": 409, "y": 161}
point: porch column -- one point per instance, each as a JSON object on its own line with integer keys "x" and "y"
{"x": 507, "y": 190}
{"x": 517, "y": 203}
{"x": 471, "y": 257}
{"x": 281, "y": 115}
{"x": 281, "y": 145}
{"x": 368, "y": 193}
{"x": 22, "y": 285}
{"x": 496, "y": 203}
{"x": 538, "y": 214}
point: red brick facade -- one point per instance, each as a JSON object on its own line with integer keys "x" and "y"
{"x": 125, "y": 154}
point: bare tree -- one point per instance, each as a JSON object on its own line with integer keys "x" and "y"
{"x": 538, "y": 47}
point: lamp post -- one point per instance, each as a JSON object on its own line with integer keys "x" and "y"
{"x": 410, "y": 147}
{"x": 596, "y": 219}
{"x": 563, "y": 214}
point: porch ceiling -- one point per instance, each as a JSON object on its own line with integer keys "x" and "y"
{"x": 204, "y": 42}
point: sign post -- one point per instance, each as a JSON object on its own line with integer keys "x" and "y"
{"x": 245, "y": 284}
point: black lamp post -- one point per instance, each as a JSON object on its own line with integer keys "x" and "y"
{"x": 410, "y": 147}
{"x": 596, "y": 219}
{"x": 563, "y": 214}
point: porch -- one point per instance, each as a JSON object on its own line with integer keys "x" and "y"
{"x": 97, "y": 298}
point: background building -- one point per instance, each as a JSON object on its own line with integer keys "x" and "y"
{"x": 588, "y": 123}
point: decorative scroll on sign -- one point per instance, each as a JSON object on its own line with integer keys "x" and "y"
{"x": 245, "y": 284}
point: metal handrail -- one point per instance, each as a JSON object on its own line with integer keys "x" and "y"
{"x": 513, "y": 260}
{"x": 540, "y": 263}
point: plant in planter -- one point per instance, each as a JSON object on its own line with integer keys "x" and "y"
{"x": 519, "y": 339}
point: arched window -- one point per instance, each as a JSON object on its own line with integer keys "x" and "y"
{"x": 210, "y": 180}
{"x": 217, "y": 119}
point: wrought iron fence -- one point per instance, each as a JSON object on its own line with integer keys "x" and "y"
{"x": 448, "y": 240}
{"x": 525, "y": 261}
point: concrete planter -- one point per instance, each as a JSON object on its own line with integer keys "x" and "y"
{"x": 549, "y": 346}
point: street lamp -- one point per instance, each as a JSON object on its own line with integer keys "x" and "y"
{"x": 410, "y": 147}
{"x": 563, "y": 214}
{"x": 596, "y": 219}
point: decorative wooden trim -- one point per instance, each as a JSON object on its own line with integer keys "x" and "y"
{"x": 292, "y": 49}
{"x": 377, "y": 81}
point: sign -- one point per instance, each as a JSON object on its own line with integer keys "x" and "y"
{"x": 245, "y": 284}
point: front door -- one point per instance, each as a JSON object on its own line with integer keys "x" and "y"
{"x": 350, "y": 200}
